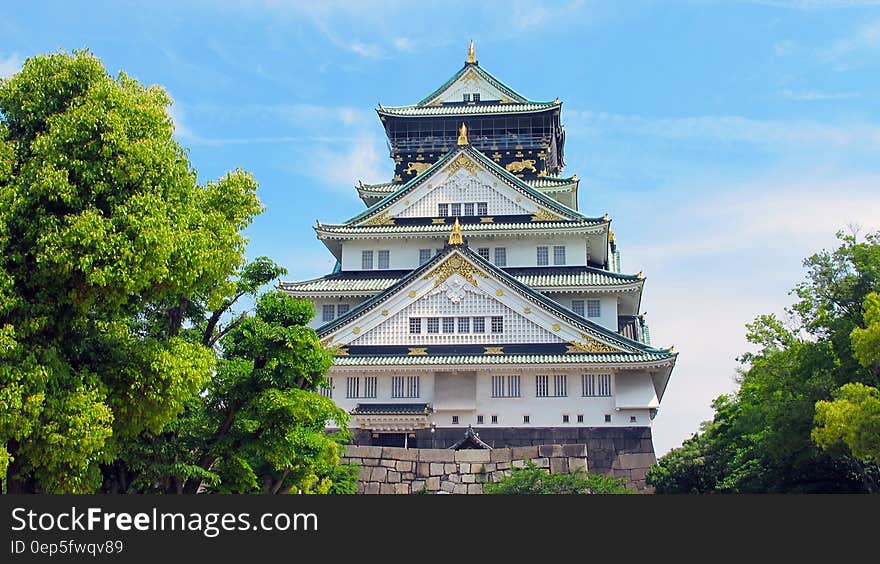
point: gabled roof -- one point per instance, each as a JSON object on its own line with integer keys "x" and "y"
{"x": 618, "y": 344}
{"x": 482, "y": 108}
{"x": 543, "y": 183}
{"x": 469, "y": 152}
{"x": 477, "y": 70}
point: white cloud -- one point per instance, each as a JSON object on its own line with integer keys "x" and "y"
{"x": 181, "y": 131}
{"x": 338, "y": 167}
{"x": 816, "y": 95}
{"x": 10, "y": 65}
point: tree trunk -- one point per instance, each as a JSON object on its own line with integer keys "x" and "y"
{"x": 14, "y": 482}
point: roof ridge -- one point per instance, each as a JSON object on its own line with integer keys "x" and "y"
{"x": 480, "y": 71}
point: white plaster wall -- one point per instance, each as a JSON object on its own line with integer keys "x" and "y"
{"x": 607, "y": 306}
{"x": 318, "y": 319}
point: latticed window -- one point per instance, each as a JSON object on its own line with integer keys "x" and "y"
{"x": 415, "y": 325}
{"x": 542, "y": 386}
{"x": 328, "y": 312}
{"x": 560, "y": 385}
{"x": 604, "y": 385}
{"x": 424, "y": 256}
{"x": 464, "y": 324}
{"x": 370, "y": 387}
{"x": 577, "y": 306}
{"x": 455, "y": 210}
{"x": 513, "y": 386}
{"x": 479, "y": 325}
{"x": 498, "y": 386}
{"x": 449, "y": 325}
{"x": 543, "y": 256}
{"x": 433, "y": 325}
{"x": 558, "y": 255}
{"x": 342, "y": 309}
{"x": 367, "y": 260}
{"x": 482, "y": 208}
{"x": 442, "y": 210}
{"x": 405, "y": 387}
{"x": 596, "y": 385}
{"x": 500, "y": 256}
{"x": 483, "y": 252}
{"x": 352, "y": 387}
{"x": 469, "y": 209}
{"x": 327, "y": 391}
{"x": 498, "y": 324}
{"x": 384, "y": 259}
{"x": 593, "y": 308}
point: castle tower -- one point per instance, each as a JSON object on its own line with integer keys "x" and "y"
{"x": 472, "y": 291}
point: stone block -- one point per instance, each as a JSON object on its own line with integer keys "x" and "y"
{"x": 402, "y": 488}
{"x": 436, "y": 468}
{"x": 638, "y": 474}
{"x": 360, "y": 488}
{"x": 640, "y": 460}
{"x": 559, "y": 464}
{"x": 400, "y": 453}
{"x": 370, "y": 462}
{"x": 475, "y": 488}
{"x": 393, "y": 477}
{"x": 455, "y": 478}
{"x": 572, "y": 451}
{"x": 460, "y": 489}
{"x": 436, "y": 455}
{"x": 407, "y": 477}
{"x": 363, "y": 451}
{"x": 418, "y": 486}
{"x": 468, "y": 478}
{"x": 423, "y": 469}
{"x": 518, "y": 464}
{"x": 491, "y": 467}
{"x": 450, "y": 468}
{"x": 577, "y": 464}
{"x": 386, "y": 488}
{"x": 472, "y": 455}
{"x": 371, "y": 488}
{"x": 503, "y": 466}
{"x": 522, "y": 453}
{"x": 347, "y": 460}
{"x": 500, "y": 455}
{"x": 550, "y": 450}
{"x": 364, "y": 474}
{"x": 378, "y": 474}
{"x": 404, "y": 466}
{"x": 541, "y": 462}
{"x": 447, "y": 486}
{"x": 388, "y": 463}
{"x": 464, "y": 467}
{"x": 433, "y": 483}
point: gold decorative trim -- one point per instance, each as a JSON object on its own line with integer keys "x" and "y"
{"x": 462, "y": 162}
{"x": 454, "y": 265}
{"x": 455, "y": 237}
{"x": 383, "y": 218}
{"x": 520, "y": 166}
{"x": 499, "y": 292}
{"x": 462, "y": 135}
{"x": 438, "y": 220}
{"x": 556, "y": 327}
{"x": 493, "y": 350}
{"x": 327, "y": 341}
{"x": 412, "y": 293}
{"x": 356, "y": 330}
{"x": 544, "y": 215}
{"x": 340, "y": 351}
{"x": 527, "y": 310}
{"x": 589, "y": 345}
{"x": 416, "y": 167}
{"x": 418, "y": 351}
{"x": 487, "y": 220}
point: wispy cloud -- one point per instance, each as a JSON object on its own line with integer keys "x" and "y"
{"x": 338, "y": 166}
{"x": 10, "y": 65}
{"x": 817, "y": 95}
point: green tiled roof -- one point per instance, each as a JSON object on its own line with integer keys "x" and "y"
{"x": 466, "y": 110}
{"x": 544, "y": 183}
{"x": 645, "y": 357}
{"x": 486, "y": 75}
{"x": 470, "y": 228}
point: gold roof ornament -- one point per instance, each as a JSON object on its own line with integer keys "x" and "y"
{"x": 455, "y": 237}
{"x": 640, "y": 275}
{"x": 611, "y": 235}
{"x": 606, "y": 217}
{"x": 472, "y": 56}
{"x": 575, "y": 177}
{"x": 462, "y": 135}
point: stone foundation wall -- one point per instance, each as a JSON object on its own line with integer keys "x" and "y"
{"x": 394, "y": 470}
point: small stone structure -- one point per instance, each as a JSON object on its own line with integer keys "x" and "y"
{"x": 385, "y": 470}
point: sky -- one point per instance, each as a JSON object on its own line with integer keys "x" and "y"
{"x": 727, "y": 140}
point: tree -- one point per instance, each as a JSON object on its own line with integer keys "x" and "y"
{"x": 534, "y": 480}
{"x": 760, "y": 438}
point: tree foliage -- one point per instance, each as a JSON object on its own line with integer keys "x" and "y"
{"x": 761, "y": 438}
{"x": 534, "y": 480}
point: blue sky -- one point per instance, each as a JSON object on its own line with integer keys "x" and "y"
{"x": 727, "y": 140}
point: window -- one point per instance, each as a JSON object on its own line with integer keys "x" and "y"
{"x": 495, "y": 419}
{"x": 468, "y": 209}
{"x": 384, "y": 259}
{"x": 433, "y": 325}
{"x": 476, "y": 96}
{"x": 558, "y": 255}
{"x": 352, "y": 387}
{"x": 415, "y": 325}
{"x": 483, "y": 252}
{"x": 479, "y": 419}
{"x": 560, "y": 385}
{"x": 466, "y": 97}
{"x": 632, "y": 418}
{"x": 342, "y": 309}
{"x": 543, "y": 259}
{"x": 328, "y": 312}
{"x": 424, "y": 256}
{"x": 455, "y": 419}
{"x": 607, "y": 418}
{"x": 367, "y": 260}
{"x": 577, "y": 306}
{"x": 405, "y": 387}
{"x": 526, "y": 419}
{"x": 482, "y": 208}
{"x": 442, "y": 210}
{"x": 498, "y": 325}
{"x": 595, "y": 385}
{"x": 500, "y": 256}
{"x": 542, "y": 386}
{"x": 565, "y": 418}
{"x": 449, "y": 325}
{"x": 455, "y": 210}
{"x": 479, "y": 325}
{"x": 505, "y": 386}
{"x": 580, "y": 417}
{"x": 513, "y": 386}
{"x": 464, "y": 324}
{"x": 327, "y": 391}
{"x": 369, "y": 386}
{"x": 593, "y": 309}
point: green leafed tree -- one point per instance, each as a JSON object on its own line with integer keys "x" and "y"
{"x": 533, "y": 480}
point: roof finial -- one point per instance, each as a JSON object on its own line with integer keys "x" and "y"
{"x": 462, "y": 135}
{"x": 455, "y": 237}
{"x": 472, "y": 56}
